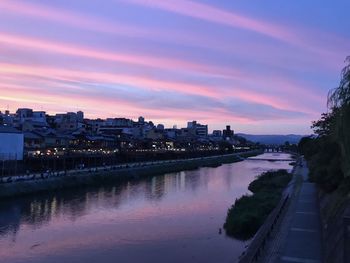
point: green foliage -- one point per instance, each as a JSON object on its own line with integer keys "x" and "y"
{"x": 270, "y": 181}
{"x": 248, "y": 213}
{"x": 340, "y": 96}
{"x": 325, "y": 125}
{"x": 329, "y": 153}
{"x": 307, "y": 147}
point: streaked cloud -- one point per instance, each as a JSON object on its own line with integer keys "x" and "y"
{"x": 173, "y": 61}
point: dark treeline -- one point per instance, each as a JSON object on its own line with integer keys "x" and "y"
{"x": 328, "y": 153}
{"x": 328, "y": 156}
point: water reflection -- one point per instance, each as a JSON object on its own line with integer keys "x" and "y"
{"x": 171, "y": 218}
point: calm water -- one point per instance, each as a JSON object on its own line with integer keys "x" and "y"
{"x": 171, "y": 218}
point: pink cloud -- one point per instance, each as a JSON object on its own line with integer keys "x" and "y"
{"x": 135, "y": 59}
{"x": 174, "y": 64}
{"x": 216, "y": 15}
{"x": 52, "y": 100}
{"x": 300, "y": 37}
{"x": 148, "y": 84}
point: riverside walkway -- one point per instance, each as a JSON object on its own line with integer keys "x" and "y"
{"x": 88, "y": 171}
{"x": 299, "y": 237}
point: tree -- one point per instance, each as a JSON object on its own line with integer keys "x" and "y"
{"x": 340, "y": 96}
{"x": 339, "y": 102}
{"x": 329, "y": 153}
{"x": 323, "y": 126}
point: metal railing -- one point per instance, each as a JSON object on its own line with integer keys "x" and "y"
{"x": 256, "y": 248}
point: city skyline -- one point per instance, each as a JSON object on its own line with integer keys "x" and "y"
{"x": 262, "y": 69}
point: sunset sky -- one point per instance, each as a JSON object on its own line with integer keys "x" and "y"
{"x": 261, "y": 66}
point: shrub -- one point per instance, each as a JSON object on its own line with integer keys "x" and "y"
{"x": 249, "y": 212}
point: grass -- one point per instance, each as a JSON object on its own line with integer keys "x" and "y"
{"x": 249, "y": 212}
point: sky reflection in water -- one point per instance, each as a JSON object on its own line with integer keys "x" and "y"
{"x": 171, "y": 218}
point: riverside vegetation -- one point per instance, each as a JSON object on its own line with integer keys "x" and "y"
{"x": 328, "y": 156}
{"x": 328, "y": 153}
{"x": 249, "y": 212}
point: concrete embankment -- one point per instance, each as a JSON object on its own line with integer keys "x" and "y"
{"x": 114, "y": 173}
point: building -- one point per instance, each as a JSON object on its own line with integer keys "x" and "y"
{"x": 141, "y": 120}
{"x": 202, "y": 130}
{"x": 80, "y": 116}
{"x": 217, "y": 133}
{"x": 33, "y": 141}
{"x": 227, "y": 134}
{"x": 39, "y": 116}
{"x": 197, "y": 129}
{"x": 171, "y": 133}
{"x": 93, "y": 126}
{"x": 11, "y": 143}
{"x": 69, "y": 121}
{"x": 155, "y": 134}
{"x": 24, "y": 114}
{"x": 8, "y": 118}
{"x": 34, "y": 126}
{"x": 119, "y": 122}
{"x": 160, "y": 127}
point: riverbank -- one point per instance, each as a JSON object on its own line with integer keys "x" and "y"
{"x": 102, "y": 175}
{"x": 249, "y": 212}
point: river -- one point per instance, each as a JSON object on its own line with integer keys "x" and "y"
{"x": 175, "y": 217}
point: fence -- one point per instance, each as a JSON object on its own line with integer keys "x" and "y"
{"x": 255, "y": 249}
{"x": 257, "y": 246}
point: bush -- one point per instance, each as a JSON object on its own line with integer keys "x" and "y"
{"x": 325, "y": 165}
{"x": 249, "y": 212}
{"x": 270, "y": 181}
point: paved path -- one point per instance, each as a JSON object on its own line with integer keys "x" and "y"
{"x": 303, "y": 239}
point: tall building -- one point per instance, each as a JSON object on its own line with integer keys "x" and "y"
{"x": 80, "y": 116}
{"x": 197, "y": 129}
{"x": 141, "y": 120}
{"x": 228, "y": 133}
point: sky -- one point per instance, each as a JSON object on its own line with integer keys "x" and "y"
{"x": 263, "y": 67}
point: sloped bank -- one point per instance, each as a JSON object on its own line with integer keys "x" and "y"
{"x": 249, "y": 212}
{"x": 111, "y": 175}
